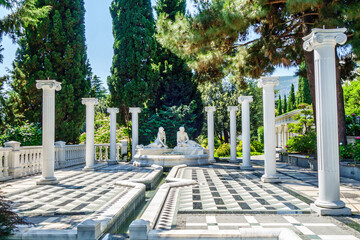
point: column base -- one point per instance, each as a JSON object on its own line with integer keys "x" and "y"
{"x": 212, "y": 161}
{"x": 344, "y": 211}
{"x": 270, "y": 179}
{"x": 246, "y": 167}
{"x": 47, "y": 181}
{"x": 234, "y": 160}
{"x": 112, "y": 162}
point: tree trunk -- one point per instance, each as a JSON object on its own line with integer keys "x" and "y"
{"x": 340, "y": 105}
{"x": 226, "y": 136}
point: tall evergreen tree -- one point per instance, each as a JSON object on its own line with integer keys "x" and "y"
{"x": 285, "y": 104}
{"x": 176, "y": 84}
{"x": 291, "y": 104}
{"x": 303, "y": 93}
{"x": 132, "y": 75}
{"x": 54, "y": 49}
{"x": 280, "y": 110}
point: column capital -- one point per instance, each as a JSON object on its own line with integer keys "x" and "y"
{"x": 320, "y": 37}
{"x": 113, "y": 110}
{"x": 245, "y": 99}
{"x": 264, "y": 81}
{"x": 210, "y": 109}
{"x": 233, "y": 108}
{"x": 135, "y": 110}
{"x": 89, "y": 101}
{"x": 48, "y": 85}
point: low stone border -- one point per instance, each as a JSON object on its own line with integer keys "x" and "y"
{"x": 243, "y": 233}
{"x": 152, "y": 179}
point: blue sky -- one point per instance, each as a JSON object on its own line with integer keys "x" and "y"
{"x": 99, "y": 41}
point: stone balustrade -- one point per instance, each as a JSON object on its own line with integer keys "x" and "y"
{"x": 17, "y": 161}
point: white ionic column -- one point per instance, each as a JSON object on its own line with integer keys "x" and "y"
{"x": 134, "y": 129}
{"x": 113, "y": 112}
{"x": 233, "y": 110}
{"x": 48, "y": 130}
{"x": 323, "y": 42}
{"x": 210, "y": 124}
{"x": 90, "y": 117}
{"x": 268, "y": 84}
{"x": 245, "y": 120}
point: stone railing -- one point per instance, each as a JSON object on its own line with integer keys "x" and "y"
{"x": 17, "y": 161}
{"x": 102, "y": 151}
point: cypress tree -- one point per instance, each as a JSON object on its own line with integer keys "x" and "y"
{"x": 303, "y": 94}
{"x": 280, "y": 110}
{"x": 132, "y": 76}
{"x": 55, "y": 49}
{"x": 285, "y": 105}
{"x": 176, "y": 84}
{"x": 291, "y": 105}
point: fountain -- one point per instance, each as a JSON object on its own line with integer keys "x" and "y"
{"x": 186, "y": 152}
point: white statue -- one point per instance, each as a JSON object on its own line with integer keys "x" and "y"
{"x": 160, "y": 141}
{"x": 183, "y": 139}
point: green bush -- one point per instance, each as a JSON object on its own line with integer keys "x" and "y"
{"x": 302, "y": 143}
{"x": 351, "y": 151}
{"x": 260, "y": 132}
{"x": 29, "y": 134}
{"x": 258, "y": 146}
{"x": 223, "y": 150}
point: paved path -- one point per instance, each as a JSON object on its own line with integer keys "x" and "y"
{"x": 227, "y": 198}
{"x": 78, "y": 195}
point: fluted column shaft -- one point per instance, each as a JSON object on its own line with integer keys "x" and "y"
{"x": 210, "y": 123}
{"x": 245, "y": 122}
{"x": 90, "y": 118}
{"x": 135, "y": 129}
{"x": 113, "y": 112}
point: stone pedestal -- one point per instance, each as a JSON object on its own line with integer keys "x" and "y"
{"x": 210, "y": 123}
{"x": 113, "y": 112}
{"x": 233, "y": 110}
{"x": 268, "y": 84}
{"x": 134, "y": 129}
{"x": 48, "y": 130}
{"x": 90, "y": 148}
{"x": 323, "y": 42}
{"x": 245, "y": 120}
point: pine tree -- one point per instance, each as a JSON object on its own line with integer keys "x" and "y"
{"x": 285, "y": 105}
{"x": 280, "y": 110}
{"x": 54, "y": 49}
{"x": 132, "y": 75}
{"x": 291, "y": 104}
{"x": 176, "y": 84}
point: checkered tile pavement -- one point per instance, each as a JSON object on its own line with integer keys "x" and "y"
{"x": 307, "y": 227}
{"x": 235, "y": 191}
{"x": 81, "y": 194}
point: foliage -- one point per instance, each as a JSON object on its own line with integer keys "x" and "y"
{"x": 350, "y": 151}
{"x": 132, "y": 75}
{"x": 8, "y": 218}
{"x": 279, "y": 108}
{"x": 25, "y": 13}
{"x": 303, "y": 93}
{"x": 28, "y": 134}
{"x": 291, "y": 104}
{"x": 226, "y": 94}
{"x": 352, "y": 125}
{"x": 352, "y": 97}
{"x": 305, "y": 140}
{"x": 285, "y": 104}
{"x": 260, "y": 132}
{"x": 223, "y": 150}
{"x": 258, "y": 146}
{"x": 97, "y": 88}
{"x": 102, "y": 130}
{"x": 54, "y": 49}
{"x": 302, "y": 143}
{"x": 171, "y": 118}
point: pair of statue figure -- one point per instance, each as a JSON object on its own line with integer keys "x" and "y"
{"x": 182, "y": 139}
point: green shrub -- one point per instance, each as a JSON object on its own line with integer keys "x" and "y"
{"x": 29, "y": 134}
{"x": 223, "y": 150}
{"x": 302, "y": 143}
{"x": 258, "y": 146}
{"x": 260, "y": 132}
